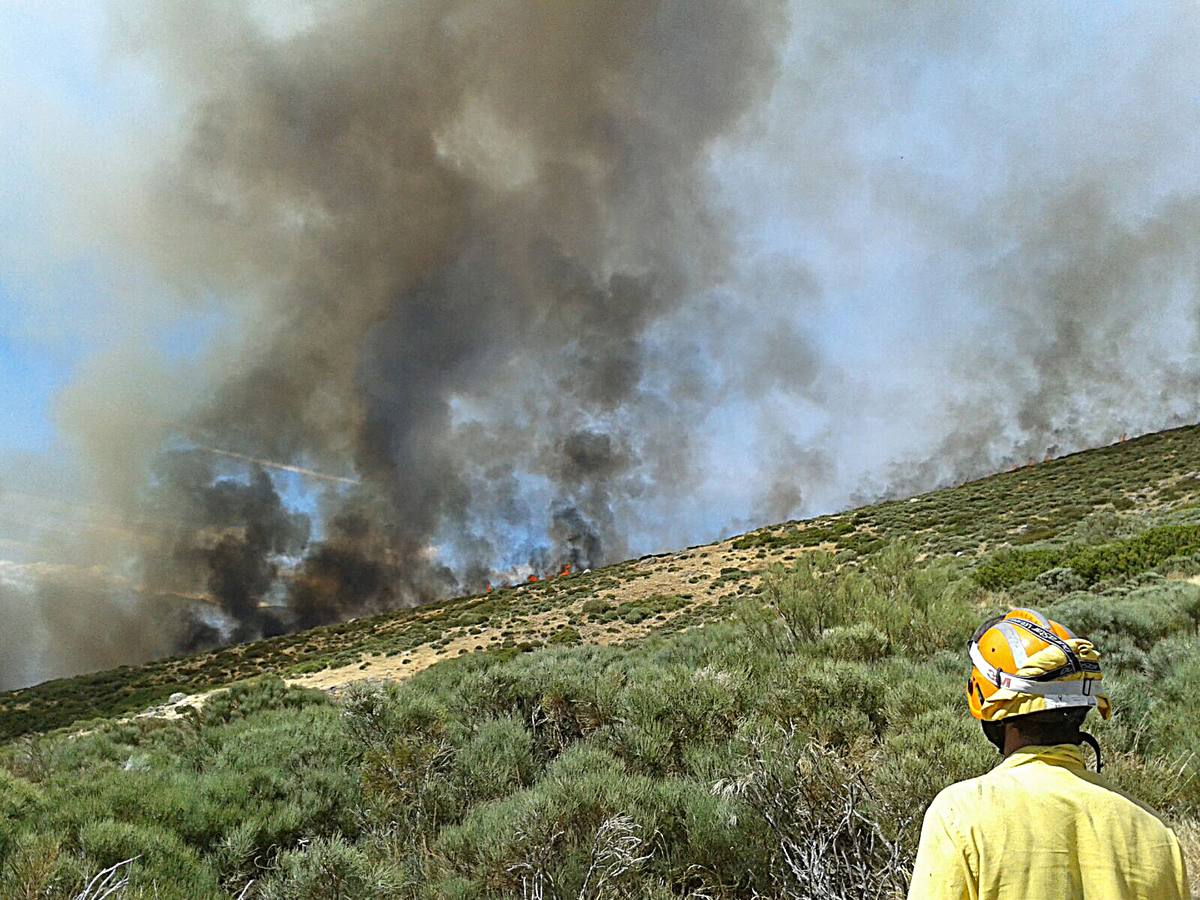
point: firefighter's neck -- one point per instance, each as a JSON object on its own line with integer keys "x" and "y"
{"x": 1014, "y": 740}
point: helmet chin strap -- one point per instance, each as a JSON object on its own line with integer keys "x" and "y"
{"x": 1095, "y": 745}
{"x": 994, "y": 732}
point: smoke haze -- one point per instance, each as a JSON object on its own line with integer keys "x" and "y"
{"x": 534, "y": 284}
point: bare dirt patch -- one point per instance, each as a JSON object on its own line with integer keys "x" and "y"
{"x": 689, "y": 573}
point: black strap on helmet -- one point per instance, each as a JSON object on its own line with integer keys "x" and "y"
{"x": 1095, "y": 745}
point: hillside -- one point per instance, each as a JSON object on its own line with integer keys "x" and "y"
{"x": 677, "y": 725}
{"x": 655, "y": 594}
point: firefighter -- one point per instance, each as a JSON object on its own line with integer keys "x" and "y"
{"x": 1040, "y": 824}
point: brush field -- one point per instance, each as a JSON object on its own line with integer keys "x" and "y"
{"x": 763, "y": 717}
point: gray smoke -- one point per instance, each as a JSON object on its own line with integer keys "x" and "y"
{"x": 557, "y": 283}
{"x": 443, "y": 230}
{"x": 231, "y": 538}
{"x": 994, "y": 206}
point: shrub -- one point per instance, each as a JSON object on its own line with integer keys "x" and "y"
{"x": 796, "y": 606}
{"x": 564, "y": 636}
{"x": 815, "y": 802}
{"x": 837, "y": 702}
{"x": 330, "y": 868}
{"x": 1129, "y": 557}
{"x": 1061, "y": 580}
{"x": 35, "y": 865}
{"x": 258, "y": 694}
{"x": 596, "y": 606}
{"x": 922, "y": 755}
{"x": 786, "y": 751}
{"x": 1122, "y": 558}
{"x": 1006, "y": 568}
{"x": 1101, "y": 526}
{"x": 862, "y": 642}
{"x": 665, "y": 710}
{"x": 537, "y": 835}
{"x": 160, "y": 857}
{"x": 1144, "y": 616}
{"x": 496, "y": 761}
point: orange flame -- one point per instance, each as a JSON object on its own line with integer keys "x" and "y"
{"x": 566, "y": 571}
{"x": 532, "y": 579}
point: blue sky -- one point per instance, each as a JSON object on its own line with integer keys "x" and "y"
{"x": 50, "y": 57}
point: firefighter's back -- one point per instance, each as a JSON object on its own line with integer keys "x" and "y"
{"x": 1040, "y": 825}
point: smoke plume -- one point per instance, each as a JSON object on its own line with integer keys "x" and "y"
{"x": 503, "y": 286}
{"x": 444, "y": 229}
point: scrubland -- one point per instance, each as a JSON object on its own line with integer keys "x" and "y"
{"x": 764, "y": 719}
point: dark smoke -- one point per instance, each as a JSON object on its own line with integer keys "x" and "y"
{"x": 232, "y": 537}
{"x": 447, "y": 229}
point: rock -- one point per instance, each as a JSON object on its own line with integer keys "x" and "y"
{"x": 177, "y": 697}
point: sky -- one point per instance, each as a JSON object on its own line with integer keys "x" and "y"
{"x": 938, "y": 241}
{"x": 54, "y": 94}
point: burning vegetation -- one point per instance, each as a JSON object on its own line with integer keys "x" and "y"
{"x": 435, "y": 221}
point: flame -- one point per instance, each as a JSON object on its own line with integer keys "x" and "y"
{"x": 487, "y": 588}
{"x": 532, "y": 578}
{"x": 566, "y": 571}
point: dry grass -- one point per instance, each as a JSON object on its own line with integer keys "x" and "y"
{"x": 1188, "y": 832}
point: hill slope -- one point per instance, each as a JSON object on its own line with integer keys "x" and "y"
{"x": 765, "y": 716}
{"x": 660, "y": 593}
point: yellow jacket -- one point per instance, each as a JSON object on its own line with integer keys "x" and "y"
{"x": 1040, "y": 826}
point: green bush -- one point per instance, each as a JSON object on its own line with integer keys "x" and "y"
{"x": 37, "y": 865}
{"x": 250, "y": 697}
{"x": 862, "y": 642}
{"x": 1061, "y": 580}
{"x": 331, "y": 869}
{"x": 1116, "y": 559}
{"x": 922, "y": 755}
{"x": 496, "y": 761}
{"x": 911, "y": 606}
{"x": 161, "y": 861}
{"x": 564, "y": 636}
{"x": 1144, "y": 616}
{"x": 1007, "y": 568}
{"x": 596, "y": 606}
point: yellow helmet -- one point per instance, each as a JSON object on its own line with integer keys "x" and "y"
{"x": 1023, "y": 663}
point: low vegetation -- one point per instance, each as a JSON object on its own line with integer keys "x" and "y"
{"x": 1089, "y": 565}
{"x": 787, "y": 751}
{"x": 1140, "y": 479}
